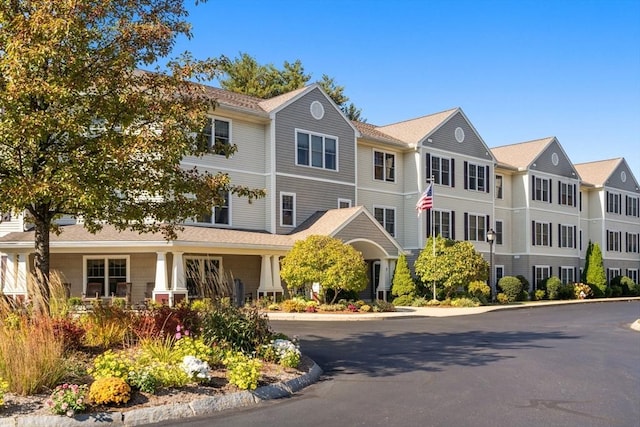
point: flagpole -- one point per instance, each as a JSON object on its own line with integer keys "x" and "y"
{"x": 433, "y": 236}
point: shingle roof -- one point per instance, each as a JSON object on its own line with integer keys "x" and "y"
{"x": 271, "y": 104}
{"x": 371, "y": 132}
{"x": 325, "y": 223}
{"x": 522, "y": 154}
{"x": 597, "y": 172}
{"x": 414, "y": 130}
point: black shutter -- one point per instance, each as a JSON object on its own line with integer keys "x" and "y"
{"x": 466, "y": 174}
{"x": 429, "y": 223}
{"x": 533, "y": 187}
{"x": 550, "y": 192}
{"x": 574, "y": 237}
{"x": 620, "y": 240}
{"x": 453, "y": 225}
{"x": 581, "y": 201}
{"x": 533, "y": 278}
{"x": 453, "y": 173}
{"x": 559, "y": 235}
{"x": 488, "y": 224}
{"x": 606, "y": 201}
{"x": 559, "y": 193}
{"x": 466, "y": 226}
{"x": 550, "y": 235}
{"x": 575, "y": 202}
{"x": 487, "y": 180}
{"x": 533, "y": 233}
{"x": 607, "y": 231}
{"x": 428, "y": 164}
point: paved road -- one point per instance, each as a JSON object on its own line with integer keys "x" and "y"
{"x": 570, "y": 366}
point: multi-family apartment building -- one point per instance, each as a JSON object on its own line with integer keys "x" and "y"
{"x": 325, "y": 174}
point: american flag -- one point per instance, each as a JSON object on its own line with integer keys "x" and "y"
{"x": 426, "y": 200}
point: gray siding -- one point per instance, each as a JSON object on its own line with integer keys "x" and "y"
{"x": 544, "y": 163}
{"x": 615, "y": 180}
{"x": 298, "y": 116}
{"x": 444, "y": 139}
{"x": 361, "y": 227}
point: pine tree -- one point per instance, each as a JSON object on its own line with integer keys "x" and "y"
{"x": 403, "y": 284}
{"x": 595, "y": 273}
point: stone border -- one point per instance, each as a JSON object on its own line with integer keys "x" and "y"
{"x": 154, "y": 414}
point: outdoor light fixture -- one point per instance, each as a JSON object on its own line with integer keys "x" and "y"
{"x": 491, "y": 237}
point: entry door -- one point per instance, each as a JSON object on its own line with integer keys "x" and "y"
{"x": 375, "y": 279}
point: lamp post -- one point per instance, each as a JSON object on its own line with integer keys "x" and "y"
{"x": 491, "y": 236}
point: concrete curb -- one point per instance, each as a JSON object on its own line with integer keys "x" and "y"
{"x": 199, "y": 407}
{"x": 636, "y": 325}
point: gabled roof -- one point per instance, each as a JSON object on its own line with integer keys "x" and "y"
{"x": 523, "y": 154}
{"x": 371, "y": 132}
{"x": 415, "y": 130}
{"x": 598, "y": 172}
{"x": 271, "y": 104}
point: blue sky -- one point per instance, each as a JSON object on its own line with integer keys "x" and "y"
{"x": 520, "y": 69}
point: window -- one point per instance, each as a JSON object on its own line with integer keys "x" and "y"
{"x": 203, "y": 275}
{"x": 476, "y": 227}
{"x": 541, "y": 273}
{"x": 632, "y": 273}
{"x": 498, "y": 186}
{"x": 318, "y": 151}
{"x": 103, "y": 273}
{"x": 614, "y": 202}
{"x": 475, "y": 177}
{"x": 384, "y": 166}
{"x": 498, "y": 231}
{"x": 632, "y": 242}
{"x": 567, "y": 275}
{"x": 499, "y": 273}
{"x": 541, "y": 189}
{"x": 631, "y": 206}
{"x": 541, "y": 233}
{"x": 344, "y": 203}
{"x": 287, "y": 209}
{"x": 442, "y": 224}
{"x": 567, "y": 237}
{"x": 218, "y": 134}
{"x": 567, "y": 194}
{"x": 387, "y": 218}
{"x": 219, "y": 214}
{"x": 612, "y": 273}
{"x": 613, "y": 241}
{"x": 440, "y": 170}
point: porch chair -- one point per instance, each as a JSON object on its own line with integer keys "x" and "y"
{"x": 123, "y": 290}
{"x": 94, "y": 290}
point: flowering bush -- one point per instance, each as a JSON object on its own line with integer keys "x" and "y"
{"x": 67, "y": 399}
{"x": 4, "y": 386}
{"x": 287, "y": 352}
{"x": 144, "y": 379}
{"x": 109, "y": 390}
{"x": 582, "y": 291}
{"x": 242, "y": 371}
{"x": 110, "y": 364}
{"x": 195, "y": 368}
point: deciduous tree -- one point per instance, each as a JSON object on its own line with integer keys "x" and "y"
{"x": 84, "y": 132}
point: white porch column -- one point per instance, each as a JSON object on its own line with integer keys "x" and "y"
{"x": 266, "y": 276}
{"x": 10, "y": 274}
{"x": 420, "y": 170}
{"x": 20, "y": 284}
{"x": 177, "y": 272}
{"x": 161, "y": 272}
{"x": 275, "y": 269}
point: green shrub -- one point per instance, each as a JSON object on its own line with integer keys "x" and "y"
{"x": 144, "y": 379}
{"x": 480, "y": 290}
{"x": 4, "y": 386}
{"x": 188, "y": 346}
{"x": 553, "y": 284}
{"x": 582, "y": 291}
{"x": 597, "y": 291}
{"x": 511, "y": 288}
{"x": 403, "y": 284}
{"x": 110, "y": 365}
{"x": 366, "y": 308}
{"x": 625, "y": 284}
{"x": 109, "y": 390}
{"x": 420, "y": 302}
{"x": 567, "y": 291}
{"x": 433, "y": 303}
{"x": 383, "y": 306}
{"x": 240, "y": 329}
{"x": 539, "y": 294}
{"x": 332, "y": 307}
{"x": 464, "y": 302}
{"x": 403, "y": 300}
{"x": 294, "y": 305}
{"x": 503, "y": 298}
{"x": 242, "y": 371}
{"x": 616, "y": 291}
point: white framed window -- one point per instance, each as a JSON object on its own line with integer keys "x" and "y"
{"x": 632, "y": 206}
{"x": 384, "y": 166}
{"x": 566, "y": 194}
{"x": 476, "y": 177}
{"x": 344, "y": 203}
{"x": 614, "y": 202}
{"x": 219, "y": 215}
{"x": 632, "y": 240}
{"x": 476, "y": 227}
{"x": 441, "y": 170}
{"x": 632, "y": 273}
{"x": 218, "y": 133}
{"x": 541, "y": 273}
{"x": 614, "y": 241}
{"x": 288, "y": 209}
{"x": 499, "y": 187}
{"x": 499, "y": 270}
{"x": 442, "y": 223}
{"x": 567, "y": 236}
{"x": 541, "y": 233}
{"x": 499, "y": 227}
{"x": 612, "y": 273}
{"x": 567, "y": 275}
{"x": 386, "y": 216}
{"x": 316, "y": 150}
{"x": 203, "y": 274}
{"x": 101, "y": 273}
{"x": 541, "y": 190}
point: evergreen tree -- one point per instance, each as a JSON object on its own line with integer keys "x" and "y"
{"x": 403, "y": 284}
{"x": 595, "y": 275}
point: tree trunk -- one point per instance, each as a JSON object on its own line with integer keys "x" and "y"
{"x": 41, "y": 263}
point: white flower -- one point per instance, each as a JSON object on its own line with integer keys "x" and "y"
{"x": 195, "y": 367}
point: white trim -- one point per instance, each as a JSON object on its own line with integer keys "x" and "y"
{"x": 293, "y": 219}
{"x": 106, "y": 259}
{"x": 341, "y": 200}
{"x": 324, "y": 136}
{"x": 395, "y": 217}
{"x": 311, "y": 178}
{"x": 384, "y": 166}
{"x": 213, "y": 118}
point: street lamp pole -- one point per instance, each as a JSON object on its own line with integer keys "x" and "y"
{"x": 491, "y": 237}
